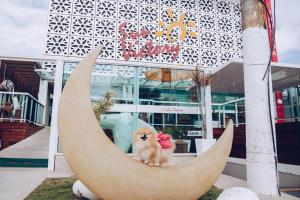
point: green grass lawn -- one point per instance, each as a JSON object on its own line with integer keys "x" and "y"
{"x": 61, "y": 189}
{"x": 53, "y": 189}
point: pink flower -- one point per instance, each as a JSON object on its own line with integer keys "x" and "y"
{"x": 164, "y": 140}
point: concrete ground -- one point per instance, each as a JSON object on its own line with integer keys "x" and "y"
{"x": 35, "y": 146}
{"x": 17, "y": 183}
{"x": 225, "y": 182}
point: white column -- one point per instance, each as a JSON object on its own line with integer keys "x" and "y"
{"x": 43, "y": 98}
{"x": 54, "y": 132}
{"x": 261, "y": 170}
{"x": 202, "y": 145}
{"x": 208, "y": 113}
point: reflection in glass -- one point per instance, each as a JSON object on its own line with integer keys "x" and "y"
{"x": 164, "y": 86}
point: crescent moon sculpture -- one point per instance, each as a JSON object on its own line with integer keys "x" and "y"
{"x": 110, "y": 173}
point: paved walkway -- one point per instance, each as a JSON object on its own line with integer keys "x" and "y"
{"x": 17, "y": 183}
{"x": 226, "y": 182}
{"x": 35, "y": 146}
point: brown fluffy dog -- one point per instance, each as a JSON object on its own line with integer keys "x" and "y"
{"x": 148, "y": 150}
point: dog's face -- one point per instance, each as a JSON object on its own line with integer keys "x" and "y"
{"x": 144, "y": 135}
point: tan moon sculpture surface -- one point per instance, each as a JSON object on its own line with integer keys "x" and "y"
{"x": 110, "y": 173}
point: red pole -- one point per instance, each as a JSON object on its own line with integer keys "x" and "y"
{"x": 274, "y": 53}
{"x": 278, "y": 94}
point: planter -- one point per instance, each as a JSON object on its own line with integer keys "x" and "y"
{"x": 202, "y": 145}
{"x": 181, "y": 146}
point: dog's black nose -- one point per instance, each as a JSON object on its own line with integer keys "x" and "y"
{"x": 144, "y": 137}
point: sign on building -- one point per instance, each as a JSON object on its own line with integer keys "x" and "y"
{"x": 177, "y": 32}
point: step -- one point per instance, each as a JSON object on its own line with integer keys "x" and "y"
{"x": 24, "y": 162}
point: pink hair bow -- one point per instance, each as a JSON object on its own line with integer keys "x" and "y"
{"x": 164, "y": 140}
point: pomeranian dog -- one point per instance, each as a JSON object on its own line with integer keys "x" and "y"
{"x": 153, "y": 149}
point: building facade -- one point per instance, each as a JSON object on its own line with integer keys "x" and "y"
{"x": 163, "y": 37}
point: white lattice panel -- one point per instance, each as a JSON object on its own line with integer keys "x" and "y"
{"x": 80, "y": 46}
{"x": 75, "y": 27}
{"x": 59, "y": 24}
{"x": 105, "y": 28}
{"x": 106, "y": 9}
{"x": 108, "y": 47}
{"x": 84, "y": 7}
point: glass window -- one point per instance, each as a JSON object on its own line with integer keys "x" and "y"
{"x": 143, "y": 86}
{"x": 164, "y": 86}
{"x": 118, "y": 79}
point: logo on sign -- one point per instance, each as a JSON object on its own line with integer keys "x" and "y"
{"x": 130, "y": 39}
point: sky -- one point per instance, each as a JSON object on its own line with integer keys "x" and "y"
{"x": 23, "y": 26}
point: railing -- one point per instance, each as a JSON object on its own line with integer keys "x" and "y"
{"x": 149, "y": 102}
{"x": 234, "y": 109}
{"x": 166, "y": 103}
{"x": 19, "y": 106}
{"x": 291, "y": 112}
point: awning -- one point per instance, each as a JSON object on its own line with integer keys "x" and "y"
{"x": 230, "y": 77}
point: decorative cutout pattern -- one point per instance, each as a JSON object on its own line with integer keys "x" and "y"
{"x": 82, "y": 26}
{"x": 134, "y": 48}
{"x": 190, "y": 56}
{"x": 84, "y": 7}
{"x": 152, "y": 28}
{"x": 206, "y": 6}
{"x": 237, "y": 26}
{"x": 80, "y": 46}
{"x": 236, "y": 9}
{"x": 208, "y": 40}
{"x": 57, "y": 45}
{"x": 225, "y": 56}
{"x": 150, "y": 2}
{"x": 165, "y": 18}
{"x": 190, "y": 16}
{"x": 226, "y": 42}
{"x": 77, "y": 26}
{"x": 207, "y": 22}
{"x": 128, "y": 11}
{"x": 168, "y": 58}
{"x": 153, "y": 59}
{"x": 239, "y": 43}
{"x": 106, "y": 9}
{"x": 131, "y": 26}
{"x": 48, "y": 66}
{"x": 223, "y": 7}
{"x": 209, "y": 58}
{"x": 188, "y": 5}
{"x": 61, "y": 6}
{"x": 108, "y": 50}
{"x": 224, "y": 24}
{"x": 105, "y": 28}
{"x": 169, "y": 3}
{"x": 149, "y": 14}
{"x": 59, "y": 24}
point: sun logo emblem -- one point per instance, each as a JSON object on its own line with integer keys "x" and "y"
{"x": 180, "y": 24}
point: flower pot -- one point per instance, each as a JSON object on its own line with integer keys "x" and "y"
{"x": 181, "y": 146}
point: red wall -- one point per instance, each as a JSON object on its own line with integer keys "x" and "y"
{"x": 13, "y": 132}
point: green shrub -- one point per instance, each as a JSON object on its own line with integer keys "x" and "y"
{"x": 212, "y": 194}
